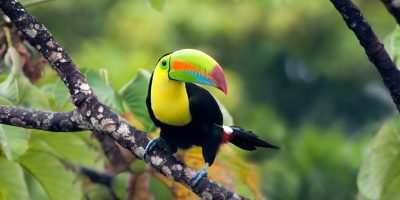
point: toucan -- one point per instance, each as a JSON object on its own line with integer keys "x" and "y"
{"x": 188, "y": 114}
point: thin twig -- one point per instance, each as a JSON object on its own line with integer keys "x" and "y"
{"x": 373, "y": 47}
{"x": 103, "y": 178}
{"x": 118, "y": 162}
{"x": 393, "y": 7}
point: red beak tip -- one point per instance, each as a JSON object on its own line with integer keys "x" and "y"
{"x": 218, "y": 74}
{"x": 225, "y": 90}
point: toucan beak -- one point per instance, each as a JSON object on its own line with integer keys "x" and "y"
{"x": 189, "y": 65}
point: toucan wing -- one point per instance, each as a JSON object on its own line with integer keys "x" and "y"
{"x": 203, "y": 107}
{"x": 206, "y": 114}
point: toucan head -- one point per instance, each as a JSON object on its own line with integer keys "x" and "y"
{"x": 189, "y": 65}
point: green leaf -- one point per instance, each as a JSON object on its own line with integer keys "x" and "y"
{"x": 379, "y": 176}
{"x": 392, "y": 45}
{"x": 5, "y": 102}
{"x": 118, "y": 185}
{"x": 138, "y": 167}
{"x": 61, "y": 94}
{"x": 98, "y": 192}
{"x": 30, "y": 95}
{"x": 134, "y": 94}
{"x": 159, "y": 189}
{"x": 17, "y": 88}
{"x": 36, "y": 190}
{"x": 14, "y": 60}
{"x": 59, "y": 182}
{"x": 9, "y": 89}
{"x": 158, "y": 5}
{"x": 12, "y": 182}
{"x": 104, "y": 91}
{"x": 67, "y": 146}
{"x": 14, "y": 141}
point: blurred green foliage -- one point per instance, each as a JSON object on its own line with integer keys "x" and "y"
{"x": 297, "y": 76}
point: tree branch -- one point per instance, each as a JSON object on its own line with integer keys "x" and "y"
{"x": 373, "y": 47}
{"x": 118, "y": 162}
{"x": 98, "y": 117}
{"x": 36, "y": 119}
{"x": 40, "y": 38}
{"x": 103, "y": 178}
{"x": 393, "y": 7}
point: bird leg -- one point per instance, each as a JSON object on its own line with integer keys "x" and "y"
{"x": 153, "y": 143}
{"x": 200, "y": 174}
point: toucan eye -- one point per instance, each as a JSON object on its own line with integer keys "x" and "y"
{"x": 164, "y": 63}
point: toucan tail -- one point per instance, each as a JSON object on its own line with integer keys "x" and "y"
{"x": 246, "y": 140}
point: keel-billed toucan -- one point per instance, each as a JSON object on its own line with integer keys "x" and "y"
{"x": 188, "y": 114}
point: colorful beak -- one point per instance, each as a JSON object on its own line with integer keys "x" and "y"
{"x": 189, "y": 65}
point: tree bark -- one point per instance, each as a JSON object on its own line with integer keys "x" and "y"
{"x": 96, "y": 116}
{"x": 393, "y": 7}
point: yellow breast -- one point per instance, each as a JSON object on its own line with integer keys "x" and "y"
{"x": 169, "y": 100}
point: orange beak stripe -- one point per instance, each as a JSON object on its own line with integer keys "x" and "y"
{"x": 180, "y": 65}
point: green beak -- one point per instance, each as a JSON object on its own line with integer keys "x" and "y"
{"x": 189, "y": 65}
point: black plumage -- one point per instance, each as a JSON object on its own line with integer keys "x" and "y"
{"x": 205, "y": 129}
{"x": 201, "y": 131}
{"x": 247, "y": 140}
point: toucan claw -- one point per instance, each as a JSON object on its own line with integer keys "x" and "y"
{"x": 157, "y": 142}
{"x": 200, "y": 174}
{"x": 150, "y": 146}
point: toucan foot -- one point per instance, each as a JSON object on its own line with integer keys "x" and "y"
{"x": 157, "y": 142}
{"x": 200, "y": 174}
{"x": 150, "y": 146}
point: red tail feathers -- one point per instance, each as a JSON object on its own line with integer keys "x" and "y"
{"x": 243, "y": 139}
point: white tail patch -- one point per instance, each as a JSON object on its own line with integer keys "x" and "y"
{"x": 228, "y": 130}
